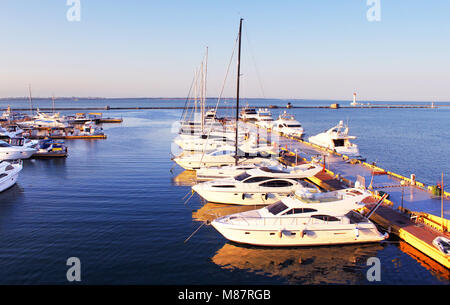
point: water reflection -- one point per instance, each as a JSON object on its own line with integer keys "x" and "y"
{"x": 306, "y": 265}
{"x": 185, "y": 178}
{"x": 425, "y": 261}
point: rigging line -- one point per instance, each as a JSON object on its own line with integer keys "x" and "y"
{"x": 183, "y": 115}
{"x": 220, "y": 95}
{"x": 258, "y": 76}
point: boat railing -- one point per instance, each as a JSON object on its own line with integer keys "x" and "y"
{"x": 289, "y": 220}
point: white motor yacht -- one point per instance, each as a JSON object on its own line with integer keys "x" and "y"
{"x": 42, "y": 119}
{"x": 230, "y": 171}
{"x": 264, "y": 119}
{"x": 288, "y": 125}
{"x": 9, "y": 173}
{"x": 248, "y": 114}
{"x": 337, "y": 139}
{"x": 259, "y": 186}
{"x": 303, "y": 220}
{"x": 10, "y": 152}
{"x": 220, "y": 157}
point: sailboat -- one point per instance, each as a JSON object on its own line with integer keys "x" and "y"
{"x": 243, "y": 154}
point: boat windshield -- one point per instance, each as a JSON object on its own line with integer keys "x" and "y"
{"x": 339, "y": 142}
{"x": 242, "y": 176}
{"x": 277, "y": 208}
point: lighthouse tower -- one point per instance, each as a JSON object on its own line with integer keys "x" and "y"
{"x": 354, "y": 103}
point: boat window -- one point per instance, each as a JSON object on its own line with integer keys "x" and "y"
{"x": 299, "y": 211}
{"x": 241, "y": 176}
{"x": 338, "y": 142}
{"x": 4, "y": 144}
{"x": 257, "y": 179}
{"x": 325, "y": 217}
{"x": 224, "y": 185}
{"x": 277, "y": 208}
{"x": 355, "y": 217}
{"x": 3, "y": 175}
{"x": 276, "y": 183}
{"x": 222, "y": 152}
{"x": 294, "y": 125}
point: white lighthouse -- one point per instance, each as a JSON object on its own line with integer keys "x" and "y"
{"x": 354, "y": 103}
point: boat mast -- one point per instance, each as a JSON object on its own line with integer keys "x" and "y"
{"x": 30, "y": 99}
{"x": 236, "y": 157}
{"x": 204, "y": 89}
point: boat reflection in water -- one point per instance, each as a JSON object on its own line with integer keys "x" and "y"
{"x": 185, "y": 178}
{"x": 339, "y": 264}
{"x": 301, "y": 265}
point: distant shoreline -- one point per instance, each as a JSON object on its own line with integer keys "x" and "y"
{"x": 76, "y": 99}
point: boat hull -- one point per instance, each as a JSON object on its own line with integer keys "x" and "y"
{"x": 10, "y": 179}
{"x": 293, "y": 237}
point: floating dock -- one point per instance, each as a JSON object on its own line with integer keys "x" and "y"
{"x": 417, "y": 229}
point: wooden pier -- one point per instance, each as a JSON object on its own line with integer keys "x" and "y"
{"x": 416, "y": 228}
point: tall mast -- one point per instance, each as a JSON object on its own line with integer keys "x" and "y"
{"x": 53, "y": 103}
{"x": 236, "y": 157}
{"x": 30, "y": 99}
{"x": 204, "y": 88}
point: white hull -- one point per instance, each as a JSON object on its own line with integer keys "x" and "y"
{"x": 250, "y": 197}
{"x": 11, "y": 177}
{"x": 301, "y": 235}
{"x": 24, "y": 153}
{"x": 193, "y": 164}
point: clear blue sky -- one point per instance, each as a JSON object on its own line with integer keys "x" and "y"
{"x": 314, "y": 49}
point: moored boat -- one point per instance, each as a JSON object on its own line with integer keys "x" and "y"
{"x": 303, "y": 220}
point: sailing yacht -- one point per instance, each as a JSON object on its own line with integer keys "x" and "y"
{"x": 9, "y": 173}
{"x": 306, "y": 219}
{"x": 288, "y": 125}
{"x": 265, "y": 185}
{"x": 337, "y": 139}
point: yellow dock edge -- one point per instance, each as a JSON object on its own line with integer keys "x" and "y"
{"x": 415, "y": 242}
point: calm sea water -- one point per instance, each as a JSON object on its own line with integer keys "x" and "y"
{"x": 116, "y": 206}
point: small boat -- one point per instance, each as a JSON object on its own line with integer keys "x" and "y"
{"x": 10, "y": 152}
{"x": 337, "y": 139}
{"x": 264, "y": 119}
{"x": 288, "y": 125}
{"x": 259, "y": 186}
{"x": 443, "y": 244}
{"x": 303, "y": 220}
{"x": 49, "y": 148}
{"x": 9, "y": 173}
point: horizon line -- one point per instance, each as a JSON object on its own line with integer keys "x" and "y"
{"x": 215, "y": 98}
